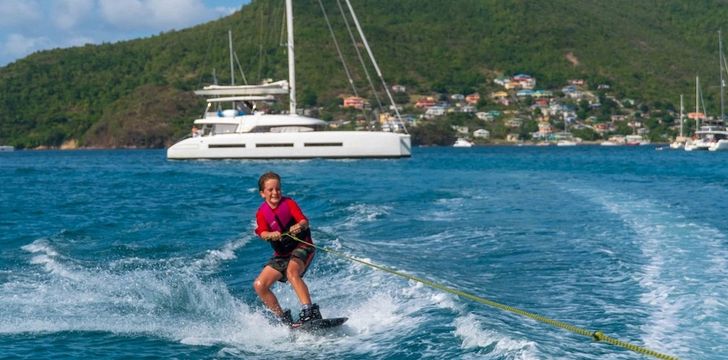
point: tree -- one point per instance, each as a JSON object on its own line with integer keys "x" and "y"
{"x": 438, "y": 132}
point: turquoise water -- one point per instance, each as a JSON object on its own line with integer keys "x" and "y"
{"x": 123, "y": 254}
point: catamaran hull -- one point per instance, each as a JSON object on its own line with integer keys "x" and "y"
{"x": 720, "y": 145}
{"x": 294, "y": 145}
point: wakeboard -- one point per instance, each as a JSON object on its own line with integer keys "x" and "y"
{"x": 320, "y": 324}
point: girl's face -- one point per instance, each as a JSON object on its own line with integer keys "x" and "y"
{"x": 271, "y": 192}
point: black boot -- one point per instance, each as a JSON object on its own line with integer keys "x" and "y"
{"x": 286, "y": 318}
{"x": 309, "y": 314}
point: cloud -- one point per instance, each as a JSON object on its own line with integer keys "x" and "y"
{"x": 69, "y": 13}
{"x": 18, "y": 12}
{"x": 78, "y": 41}
{"x": 225, "y": 11}
{"x": 17, "y": 45}
{"x": 27, "y": 26}
{"x": 154, "y": 14}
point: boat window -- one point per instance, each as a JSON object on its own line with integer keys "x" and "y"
{"x": 260, "y": 129}
{"x": 323, "y": 144}
{"x": 226, "y": 146}
{"x": 281, "y": 129}
{"x": 224, "y": 128}
{"x": 206, "y": 129}
{"x": 275, "y": 145}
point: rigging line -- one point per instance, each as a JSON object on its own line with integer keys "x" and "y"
{"x": 702, "y": 102}
{"x": 724, "y": 67}
{"x": 341, "y": 57}
{"x": 358, "y": 53}
{"x": 376, "y": 67}
{"x": 594, "y": 335}
{"x": 261, "y": 40}
{"x": 282, "y": 38}
{"x": 207, "y": 58}
{"x": 338, "y": 49}
{"x": 240, "y": 67}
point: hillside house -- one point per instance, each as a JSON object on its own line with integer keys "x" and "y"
{"x": 482, "y": 115}
{"x": 457, "y": 97}
{"x": 569, "y": 89}
{"x": 575, "y": 94}
{"x": 462, "y": 130}
{"x": 502, "y": 81}
{"x": 472, "y": 99}
{"x": 468, "y": 109}
{"x": 355, "y": 102}
{"x": 524, "y": 93}
{"x": 434, "y": 111}
{"x": 602, "y": 128}
{"x": 499, "y": 95}
{"x": 542, "y": 103}
{"x": 542, "y": 94}
{"x": 399, "y": 88}
{"x": 514, "y": 123}
{"x": 524, "y": 81}
{"x": 544, "y": 128}
{"x": 425, "y": 102}
{"x": 481, "y": 134}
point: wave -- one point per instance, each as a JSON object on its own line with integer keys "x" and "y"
{"x": 682, "y": 271}
{"x": 182, "y": 300}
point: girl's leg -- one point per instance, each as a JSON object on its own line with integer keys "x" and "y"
{"x": 267, "y": 277}
{"x": 296, "y": 267}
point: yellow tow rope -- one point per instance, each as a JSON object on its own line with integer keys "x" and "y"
{"x": 595, "y": 335}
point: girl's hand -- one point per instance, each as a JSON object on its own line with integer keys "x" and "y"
{"x": 273, "y": 236}
{"x": 295, "y": 229}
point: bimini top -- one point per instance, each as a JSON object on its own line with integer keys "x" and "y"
{"x": 265, "y": 122}
{"x": 275, "y": 88}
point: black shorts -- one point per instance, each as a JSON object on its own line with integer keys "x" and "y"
{"x": 280, "y": 263}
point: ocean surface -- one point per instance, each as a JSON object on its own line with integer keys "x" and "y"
{"x": 123, "y": 254}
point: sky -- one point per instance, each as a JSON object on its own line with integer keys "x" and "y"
{"x": 27, "y": 26}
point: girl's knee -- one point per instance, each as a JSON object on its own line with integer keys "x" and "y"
{"x": 293, "y": 274}
{"x": 259, "y": 286}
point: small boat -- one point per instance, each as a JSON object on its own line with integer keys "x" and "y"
{"x": 709, "y": 137}
{"x": 460, "y": 142}
{"x": 720, "y": 145}
{"x": 565, "y": 138}
{"x": 635, "y": 140}
{"x": 6, "y": 148}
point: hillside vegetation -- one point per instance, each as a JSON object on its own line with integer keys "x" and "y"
{"x": 138, "y": 93}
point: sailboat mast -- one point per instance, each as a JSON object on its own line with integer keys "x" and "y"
{"x": 230, "y": 46}
{"x": 722, "y": 82}
{"x": 681, "y": 115}
{"x": 291, "y": 58}
{"x": 697, "y": 103}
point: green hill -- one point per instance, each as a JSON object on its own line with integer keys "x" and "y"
{"x": 138, "y": 93}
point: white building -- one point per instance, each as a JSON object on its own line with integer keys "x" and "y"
{"x": 481, "y": 133}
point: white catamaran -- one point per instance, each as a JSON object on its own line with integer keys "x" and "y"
{"x": 243, "y": 133}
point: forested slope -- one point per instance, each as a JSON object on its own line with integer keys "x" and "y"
{"x": 138, "y": 93}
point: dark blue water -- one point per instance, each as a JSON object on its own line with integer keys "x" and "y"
{"x": 123, "y": 254}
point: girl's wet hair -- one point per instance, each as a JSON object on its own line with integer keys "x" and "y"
{"x": 265, "y": 177}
